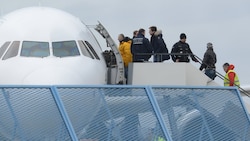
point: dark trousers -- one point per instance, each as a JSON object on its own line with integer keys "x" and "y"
{"x": 157, "y": 58}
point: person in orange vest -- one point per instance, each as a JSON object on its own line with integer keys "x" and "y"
{"x": 231, "y": 78}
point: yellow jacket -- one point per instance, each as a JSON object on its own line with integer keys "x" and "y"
{"x": 125, "y": 51}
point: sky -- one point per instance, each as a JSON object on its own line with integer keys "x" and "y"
{"x": 224, "y": 23}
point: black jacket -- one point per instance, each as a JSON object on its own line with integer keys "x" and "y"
{"x": 209, "y": 59}
{"x": 180, "y": 48}
{"x": 159, "y": 46}
{"x": 141, "y": 45}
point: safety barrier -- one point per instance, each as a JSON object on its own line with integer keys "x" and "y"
{"x": 122, "y": 113}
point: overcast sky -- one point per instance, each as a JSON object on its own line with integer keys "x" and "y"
{"x": 225, "y": 23}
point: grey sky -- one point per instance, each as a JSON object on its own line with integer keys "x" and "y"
{"x": 222, "y": 22}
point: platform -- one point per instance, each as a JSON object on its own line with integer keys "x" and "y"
{"x": 173, "y": 74}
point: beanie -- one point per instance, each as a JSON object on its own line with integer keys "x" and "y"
{"x": 209, "y": 45}
{"x": 183, "y": 36}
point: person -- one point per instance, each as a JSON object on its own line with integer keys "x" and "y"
{"x": 159, "y": 138}
{"x": 135, "y": 33}
{"x": 130, "y": 128}
{"x": 231, "y": 78}
{"x": 141, "y": 49}
{"x": 158, "y": 44}
{"x": 124, "y": 48}
{"x": 208, "y": 62}
{"x": 180, "y": 48}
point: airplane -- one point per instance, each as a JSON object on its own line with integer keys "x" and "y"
{"x": 47, "y": 46}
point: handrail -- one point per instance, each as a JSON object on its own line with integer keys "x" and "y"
{"x": 119, "y": 76}
{"x": 161, "y": 54}
{"x": 186, "y": 54}
{"x": 222, "y": 77}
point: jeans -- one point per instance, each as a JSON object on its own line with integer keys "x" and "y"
{"x": 210, "y": 72}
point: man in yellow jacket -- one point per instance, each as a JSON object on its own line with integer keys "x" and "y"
{"x": 125, "y": 51}
{"x": 231, "y": 78}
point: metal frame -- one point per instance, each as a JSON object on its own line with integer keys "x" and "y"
{"x": 63, "y": 113}
{"x": 158, "y": 112}
{"x": 12, "y": 112}
{"x": 149, "y": 93}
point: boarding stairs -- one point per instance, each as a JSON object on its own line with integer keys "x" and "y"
{"x": 190, "y": 76}
{"x": 222, "y": 77}
{"x": 115, "y": 70}
{"x": 116, "y": 67}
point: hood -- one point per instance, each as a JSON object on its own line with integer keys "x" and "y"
{"x": 210, "y": 48}
{"x": 158, "y": 32}
{"x": 140, "y": 35}
{"x": 230, "y": 67}
{"x": 126, "y": 39}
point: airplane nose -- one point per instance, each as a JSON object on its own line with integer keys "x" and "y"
{"x": 61, "y": 76}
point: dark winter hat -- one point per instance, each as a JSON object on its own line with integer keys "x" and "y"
{"x": 183, "y": 36}
{"x": 209, "y": 45}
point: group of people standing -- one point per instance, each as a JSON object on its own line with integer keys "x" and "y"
{"x": 140, "y": 49}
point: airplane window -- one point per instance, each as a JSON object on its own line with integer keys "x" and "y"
{"x": 12, "y": 51}
{"x": 3, "y": 48}
{"x": 92, "y": 50}
{"x": 35, "y": 49}
{"x": 65, "y": 49}
{"x": 85, "y": 50}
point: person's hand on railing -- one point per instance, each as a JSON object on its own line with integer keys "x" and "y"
{"x": 195, "y": 59}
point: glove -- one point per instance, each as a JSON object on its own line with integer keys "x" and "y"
{"x": 201, "y": 68}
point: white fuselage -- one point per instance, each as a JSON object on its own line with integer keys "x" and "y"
{"x": 51, "y": 71}
{"x": 39, "y": 26}
{"x": 46, "y": 46}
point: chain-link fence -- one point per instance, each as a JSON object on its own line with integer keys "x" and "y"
{"x": 122, "y": 113}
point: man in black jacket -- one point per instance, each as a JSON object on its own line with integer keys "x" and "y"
{"x": 208, "y": 62}
{"x": 141, "y": 49}
{"x": 158, "y": 44}
{"x": 181, "y": 51}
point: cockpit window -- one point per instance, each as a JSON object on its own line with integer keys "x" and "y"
{"x": 85, "y": 50}
{"x": 65, "y": 49}
{"x": 35, "y": 49}
{"x": 92, "y": 50}
{"x": 3, "y": 48}
{"x": 12, "y": 51}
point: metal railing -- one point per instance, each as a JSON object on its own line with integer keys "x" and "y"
{"x": 120, "y": 112}
{"x": 222, "y": 77}
{"x": 160, "y": 55}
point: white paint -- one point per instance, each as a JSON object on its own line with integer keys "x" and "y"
{"x": 180, "y": 74}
